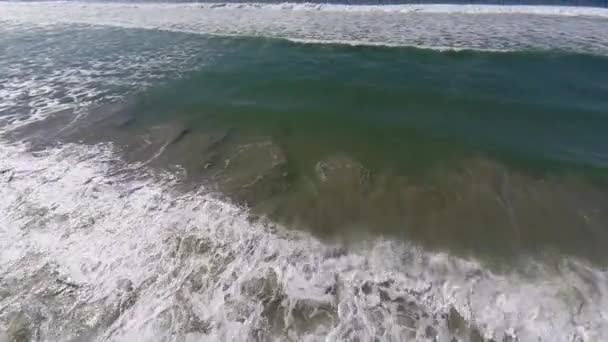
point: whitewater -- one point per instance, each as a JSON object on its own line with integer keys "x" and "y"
{"x": 92, "y": 247}
{"x": 444, "y": 27}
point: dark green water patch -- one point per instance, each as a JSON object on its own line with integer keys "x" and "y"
{"x": 401, "y": 108}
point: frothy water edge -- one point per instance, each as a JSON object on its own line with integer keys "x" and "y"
{"x": 96, "y": 247}
{"x": 386, "y": 8}
{"x": 519, "y": 27}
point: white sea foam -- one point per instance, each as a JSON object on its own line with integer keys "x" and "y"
{"x": 433, "y": 26}
{"x": 155, "y": 261}
{"x": 38, "y": 79}
{"x": 389, "y": 8}
{"x": 87, "y": 250}
{"x": 424, "y": 8}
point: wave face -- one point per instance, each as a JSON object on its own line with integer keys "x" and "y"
{"x": 96, "y": 246}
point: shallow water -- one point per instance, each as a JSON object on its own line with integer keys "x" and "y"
{"x": 232, "y": 184}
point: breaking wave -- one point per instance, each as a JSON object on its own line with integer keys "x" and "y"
{"x": 90, "y": 247}
{"x": 427, "y": 26}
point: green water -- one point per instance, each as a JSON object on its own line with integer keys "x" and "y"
{"x": 401, "y": 108}
{"x": 499, "y": 158}
{"x": 491, "y": 154}
{"x": 480, "y": 152}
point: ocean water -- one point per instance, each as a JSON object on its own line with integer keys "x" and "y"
{"x": 249, "y": 172}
